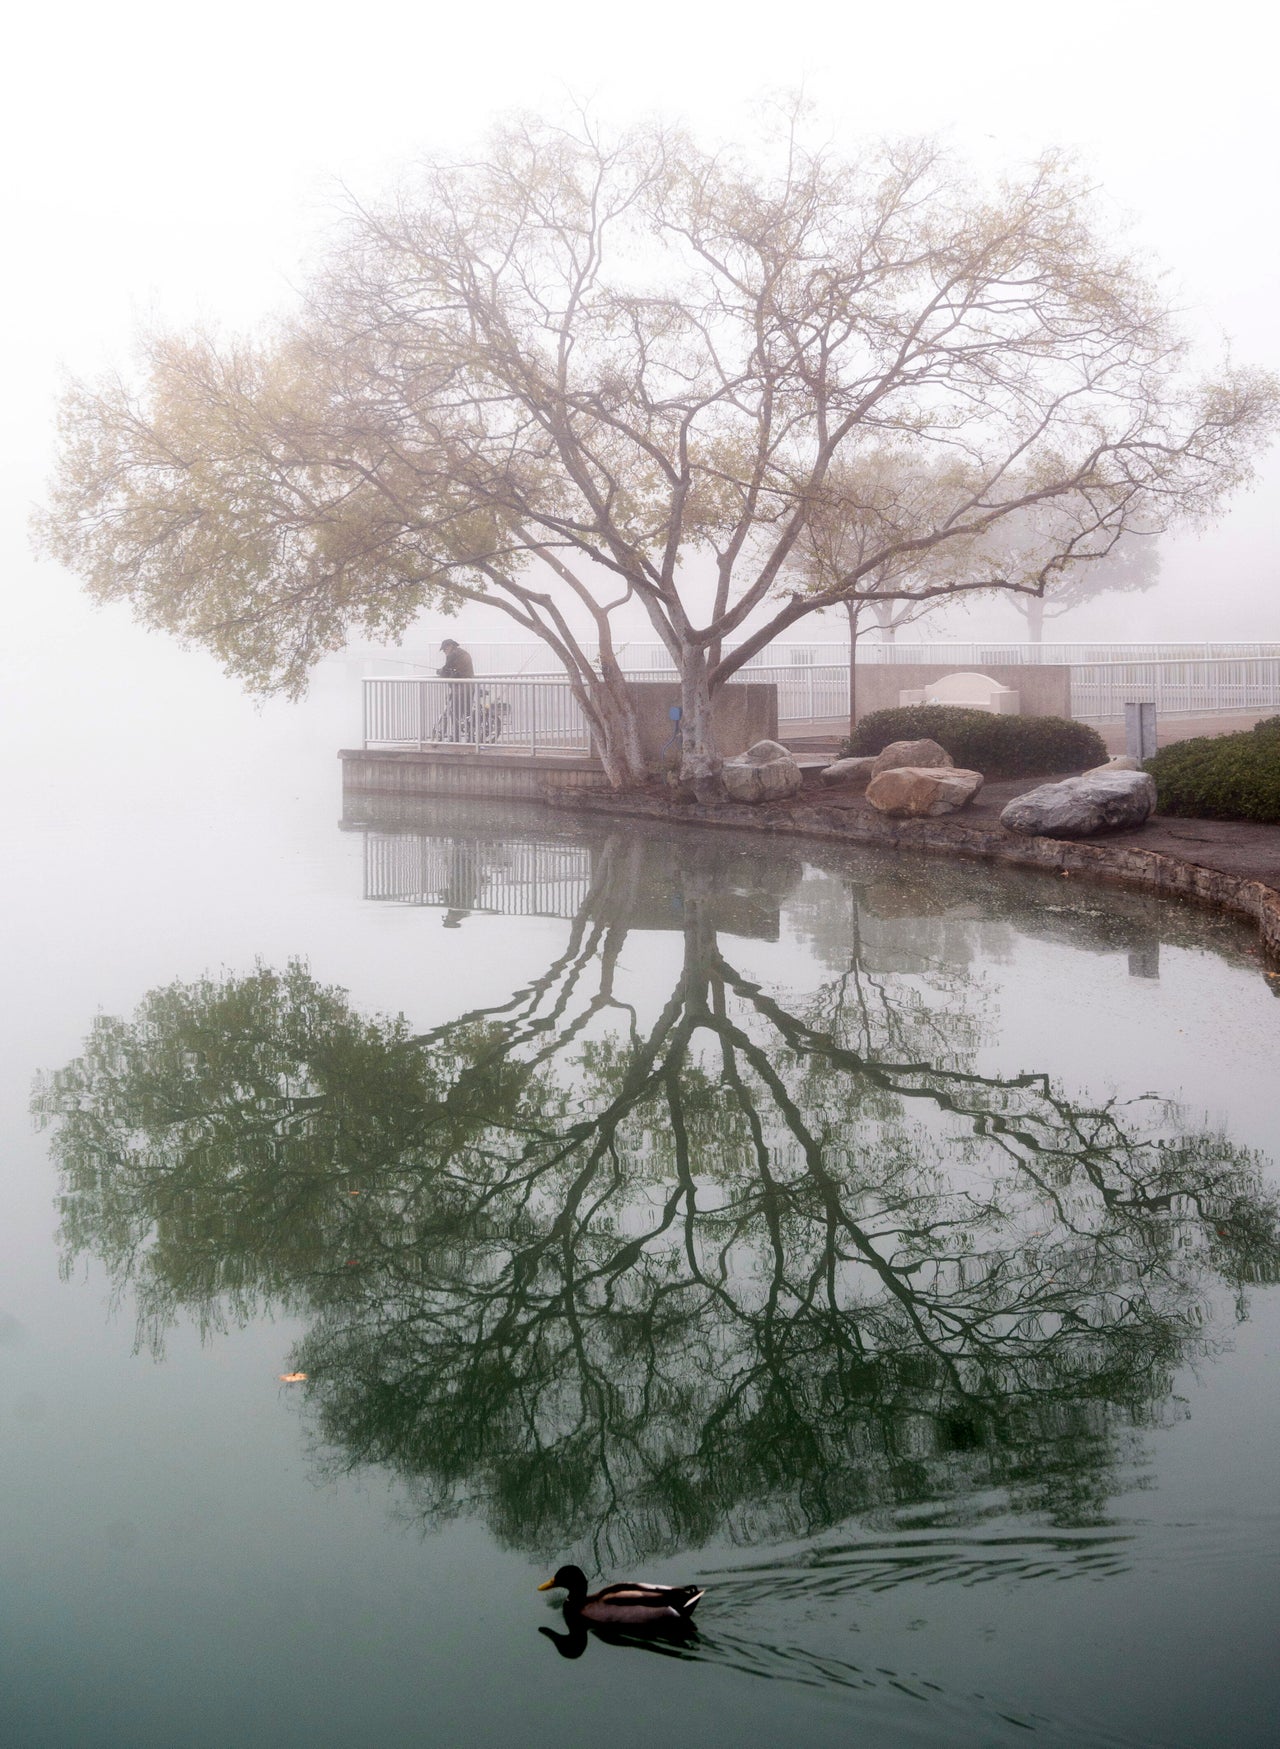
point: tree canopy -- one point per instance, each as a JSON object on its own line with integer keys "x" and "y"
{"x": 582, "y": 370}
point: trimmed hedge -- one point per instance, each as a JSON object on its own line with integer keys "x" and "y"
{"x": 979, "y": 741}
{"x": 1222, "y": 777}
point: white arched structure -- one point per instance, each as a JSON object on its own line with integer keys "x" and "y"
{"x": 975, "y": 692}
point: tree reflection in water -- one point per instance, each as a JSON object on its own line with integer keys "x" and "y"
{"x": 623, "y": 1279}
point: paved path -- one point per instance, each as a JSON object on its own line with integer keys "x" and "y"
{"x": 1170, "y": 729}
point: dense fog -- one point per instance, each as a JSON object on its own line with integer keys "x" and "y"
{"x": 173, "y": 168}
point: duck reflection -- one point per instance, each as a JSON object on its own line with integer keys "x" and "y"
{"x": 623, "y": 1275}
{"x": 577, "y": 1635}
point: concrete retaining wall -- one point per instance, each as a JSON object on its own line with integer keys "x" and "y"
{"x": 441, "y": 771}
{"x": 1044, "y": 691}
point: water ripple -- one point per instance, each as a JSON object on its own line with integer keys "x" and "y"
{"x": 837, "y": 1569}
{"x": 943, "y": 1716}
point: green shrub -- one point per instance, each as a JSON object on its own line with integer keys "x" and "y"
{"x": 1222, "y": 777}
{"x": 979, "y": 741}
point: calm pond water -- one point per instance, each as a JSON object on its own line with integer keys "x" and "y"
{"x": 891, "y": 1247}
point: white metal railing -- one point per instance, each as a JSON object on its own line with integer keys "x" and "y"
{"x": 530, "y": 715}
{"x": 819, "y": 693}
{"x": 539, "y": 714}
{"x": 1179, "y": 688}
{"x": 807, "y": 693}
{"x": 533, "y": 660}
{"x": 982, "y": 652}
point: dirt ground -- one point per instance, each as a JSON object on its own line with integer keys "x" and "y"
{"x": 1235, "y": 847}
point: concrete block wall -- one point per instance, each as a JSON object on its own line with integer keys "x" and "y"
{"x": 744, "y": 713}
{"x": 1044, "y": 689}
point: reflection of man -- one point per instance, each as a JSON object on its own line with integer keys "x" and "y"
{"x": 458, "y": 666}
{"x": 462, "y": 880}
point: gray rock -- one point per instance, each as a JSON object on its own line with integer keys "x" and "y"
{"x": 855, "y": 771}
{"x": 764, "y": 773}
{"x": 1117, "y": 762}
{"x": 914, "y": 753}
{"x": 914, "y": 791}
{"x": 1098, "y": 801}
{"x": 779, "y": 778}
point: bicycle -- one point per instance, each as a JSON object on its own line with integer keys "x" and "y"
{"x": 482, "y": 721}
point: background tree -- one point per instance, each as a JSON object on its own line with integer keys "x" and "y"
{"x": 855, "y": 519}
{"x": 582, "y": 372}
{"x": 1130, "y": 566}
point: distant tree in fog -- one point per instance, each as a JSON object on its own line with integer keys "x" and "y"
{"x": 1132, "y": 565}
{"x": 579, "y": 371}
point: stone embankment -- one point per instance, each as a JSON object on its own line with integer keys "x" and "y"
{"x": 1231, "y": 867}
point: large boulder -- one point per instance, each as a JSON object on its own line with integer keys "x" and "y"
{"x": 1097, "y": 801}
{"x": 912, "y": 791}
{"x": 854, "y": 771}
{"x": 764, "y": 773}
{"x": 914, "y": 753}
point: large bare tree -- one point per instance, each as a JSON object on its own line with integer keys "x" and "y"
{"x": 584, "y": 371}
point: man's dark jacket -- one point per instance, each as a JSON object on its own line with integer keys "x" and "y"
{"x": 457, "y": 665}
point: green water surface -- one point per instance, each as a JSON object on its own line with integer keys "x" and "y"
{"x": 889, "y": 1246}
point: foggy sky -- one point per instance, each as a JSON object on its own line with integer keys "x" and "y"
{"x": 169, "y": 164}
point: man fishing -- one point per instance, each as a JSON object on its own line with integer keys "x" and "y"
{"x": 458, "y": 712}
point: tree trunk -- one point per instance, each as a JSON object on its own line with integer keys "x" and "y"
{"x": 1034, "y": 611}
{"x": 699, "y": 761}
{"x": 851, "y": 608}
{"x": 883, "y": 611}
{"x": 606, "y": 700}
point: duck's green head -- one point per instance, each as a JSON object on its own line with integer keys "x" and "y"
{"x": 567, "y": 1578}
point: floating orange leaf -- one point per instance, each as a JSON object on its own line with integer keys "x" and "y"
{"x": 292, "y": 1378}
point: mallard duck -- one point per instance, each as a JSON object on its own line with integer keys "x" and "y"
{"x": 636, "y": 1607}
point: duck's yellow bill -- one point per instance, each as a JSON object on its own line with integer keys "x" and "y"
{"x": 549, "y": 1586}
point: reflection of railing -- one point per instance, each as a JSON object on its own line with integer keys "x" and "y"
{"x": 522, "y": 878}
{"x": 537, "y": 715}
